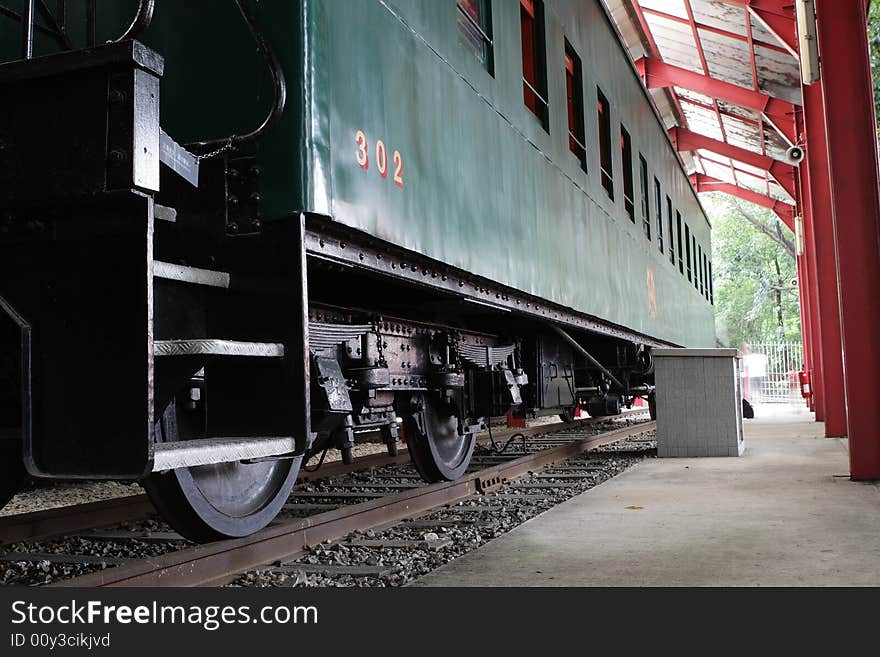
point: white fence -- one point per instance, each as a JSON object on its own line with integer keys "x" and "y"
{"x": 770, "y": 371}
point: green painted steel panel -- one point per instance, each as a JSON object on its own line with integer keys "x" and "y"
{"x": 485, "y": 188}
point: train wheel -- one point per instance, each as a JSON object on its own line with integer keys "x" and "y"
{"x": 440, "y": 450}
{"x": 214, "y": 502}
{"x": 12, "y": 472}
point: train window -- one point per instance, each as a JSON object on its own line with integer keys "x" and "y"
{"x": 658, "y": 209}
{"x": 711, "y": 286}
{"x": 687, "y": 244}
{"x": 534, "y": 59}
{"x": 699, "y": 253}
{"x": 605, "y": 161}
{"x": 628, "y": 187}
{"x": 646, "y": 205}
{"x": 680, "y": 242}
{"x": 702, "y": 271}
{"x": 574, "y": 91}
{"x": 706, "y": 274}
{"x": 671, "y": 232}
{"x": 475, "y": 26}
{"x": 705, "y": 278}
{"x": 694, "y": 252}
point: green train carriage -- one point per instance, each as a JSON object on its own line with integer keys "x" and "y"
{"x": 449, "y": 211}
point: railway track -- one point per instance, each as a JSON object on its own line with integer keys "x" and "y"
{"x": 71, "y": 519}
{"x": 374, "y": 493}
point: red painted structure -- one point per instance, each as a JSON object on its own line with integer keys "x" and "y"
{"x": 820, "y": 246}
{"x": 851, "y": 130}
{"x": 785, "y": 211}
{"x": 782, "y": 173}
{"x": 833, "y": 195}
{"x": 656, "y": 73}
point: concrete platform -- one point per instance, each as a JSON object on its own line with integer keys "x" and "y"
{"x": 784, "y": 514}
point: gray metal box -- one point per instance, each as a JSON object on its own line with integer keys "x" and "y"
{"x": 699, "y": 402}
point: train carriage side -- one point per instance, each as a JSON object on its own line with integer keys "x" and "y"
{"x": 410, "y": 242}
{"x": 431, "y": 151}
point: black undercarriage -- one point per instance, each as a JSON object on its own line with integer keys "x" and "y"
{"x": 156, "y": 331}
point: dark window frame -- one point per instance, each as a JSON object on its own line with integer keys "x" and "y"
{"x": 471, "y": 27}
{"x": 658, "y": 200}
{"x": 574, "y": 93}
{"x": 670, "y": 223}
{"x": 680, "y": 241}
{"x": 711, "y": 285}
{"x": 700, "y": 266}
{"x": 629, "y": 183}
{"x": 694, "y": 251}
{"x": 687, "y": 246}
{"x": 645, "y": 184}
{"x": 606, "y": 157}
{"x": 706, "y": 275}
{"x": 533, "y": 40}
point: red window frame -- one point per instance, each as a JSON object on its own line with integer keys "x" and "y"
{"x": 606, "y": 164}
{"x": 534, "y": 64}
{"x": 574, "y": 93}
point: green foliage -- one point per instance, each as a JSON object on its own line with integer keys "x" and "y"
{"x": 755, "y": 300}
{"x": 874, "y": 43}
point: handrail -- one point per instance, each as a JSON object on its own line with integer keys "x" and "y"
{"x": 27, "y": 29}
{"x": 278, "y": 81}
{"x": 141, "y": 21}
{"x": 537, "y": 93}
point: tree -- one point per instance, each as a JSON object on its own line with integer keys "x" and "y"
{"x": 755, "y": 271}
{"x": 874, "y": 42}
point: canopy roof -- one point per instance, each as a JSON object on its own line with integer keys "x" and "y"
{"x": 725, "y": 77}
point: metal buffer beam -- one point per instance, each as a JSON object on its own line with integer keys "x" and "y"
{"x": 782, "y": 173}
{"x": 785, "y": 211}
{"x": 778, "y": 113}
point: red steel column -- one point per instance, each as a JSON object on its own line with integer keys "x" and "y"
{"x": 806, "y": 286}
{"x": 806, "y": 338}
{"x": 820, "y": 242}
{"x": 851, "y": 131}
{"x": 809, "y": 307}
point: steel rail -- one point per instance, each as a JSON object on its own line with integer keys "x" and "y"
{"x": 75, "y": 518}
{"x": 216, "y": 563}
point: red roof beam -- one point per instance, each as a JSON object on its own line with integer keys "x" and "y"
{"x": 685, "y": 140}
{"x": 779, "y": 113}
{"x": 777, "y": 17}
{"x": 725, "y": 163}
{"x": 724, "y": 113}
{"x": 703, "y": 183}
{"x": 714, "y": 30}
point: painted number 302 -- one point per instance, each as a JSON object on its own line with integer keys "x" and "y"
{"x": 380, "y": 152}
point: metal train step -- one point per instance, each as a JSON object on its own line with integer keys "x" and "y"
{"x": 164, "y": 213}
{"x": 226, "y": 348}
{"x": 208, "y": 451}
{"x": 194, "y": 275}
